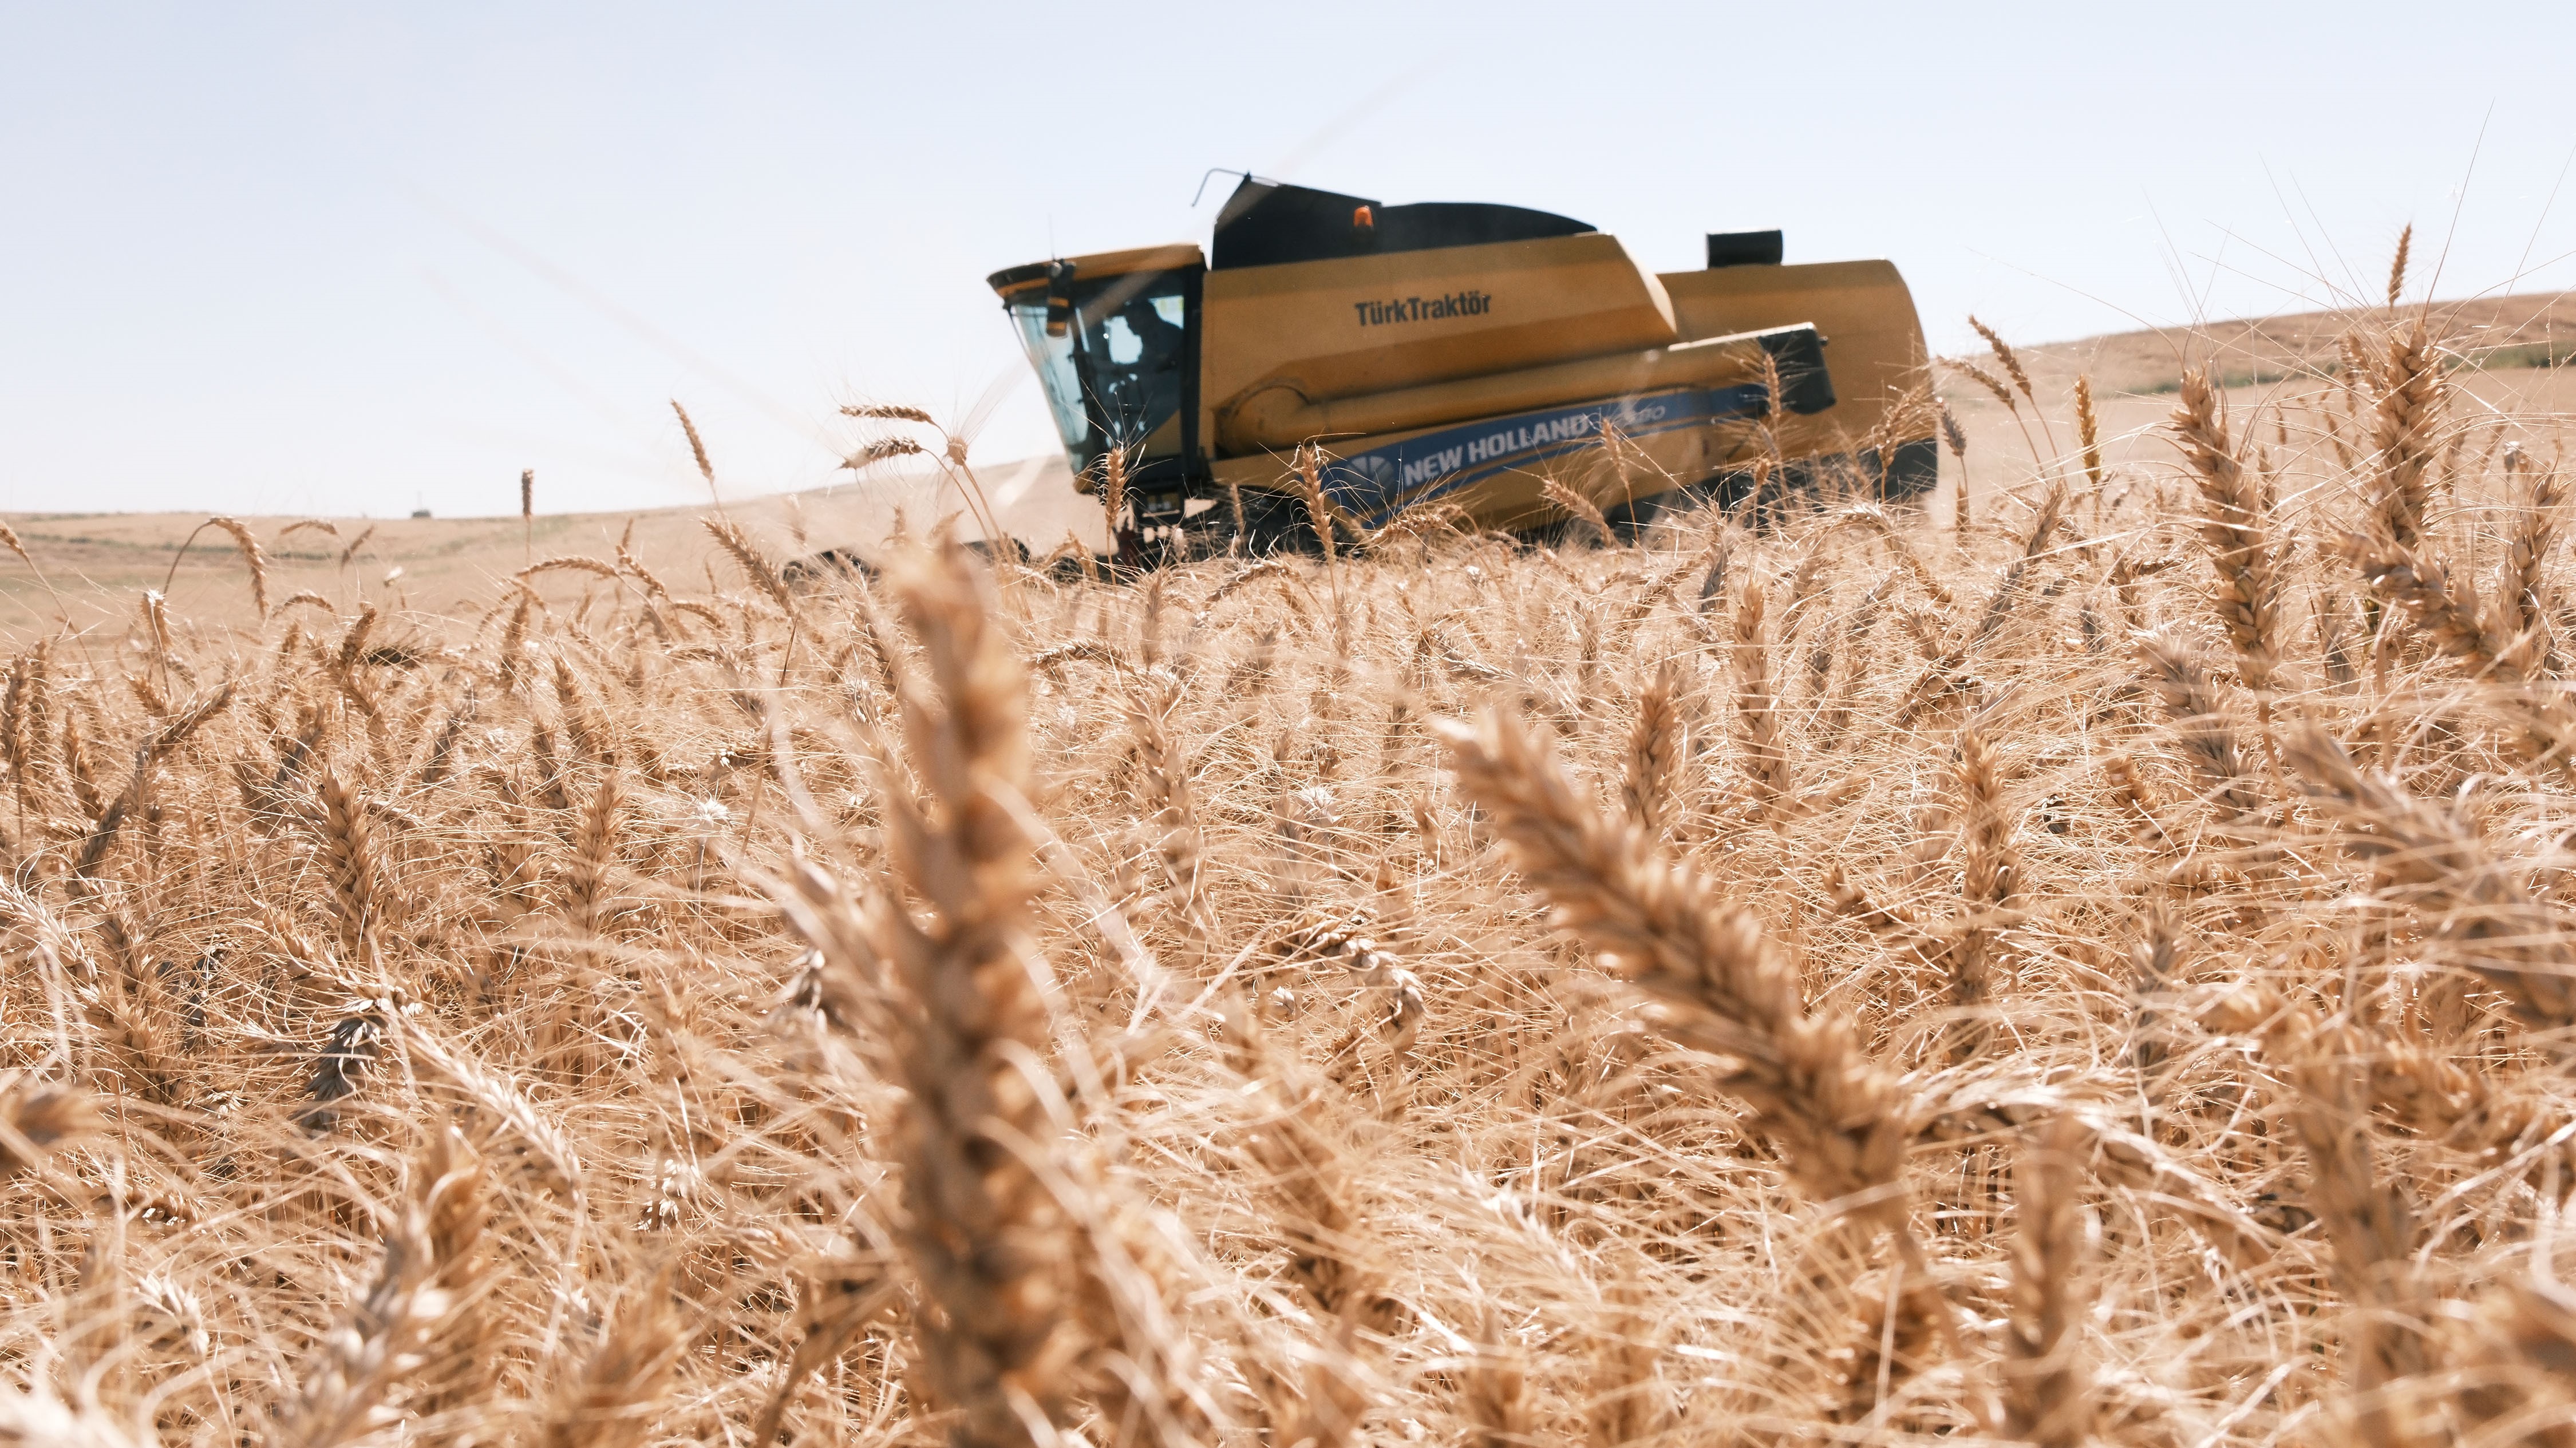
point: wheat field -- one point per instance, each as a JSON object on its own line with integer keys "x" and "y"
{"x": 2087, "y": 962}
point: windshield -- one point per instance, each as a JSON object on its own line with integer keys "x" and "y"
{"x": 1116, "y": 377}
{"x": 1053, "y": 357}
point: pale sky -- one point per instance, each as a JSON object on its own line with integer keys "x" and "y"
{"x": 345, "y": 258}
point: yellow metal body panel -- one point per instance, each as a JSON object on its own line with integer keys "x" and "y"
{"x": 1323, "y": 330}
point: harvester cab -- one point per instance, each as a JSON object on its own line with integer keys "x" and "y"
{"x": 1115, "y": 340}
{"x": 1464, "y": 355}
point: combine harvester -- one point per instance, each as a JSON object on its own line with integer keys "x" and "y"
{"x": 1466, "y": 355}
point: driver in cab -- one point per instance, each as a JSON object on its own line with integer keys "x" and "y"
{"x": 1158, "y": 341}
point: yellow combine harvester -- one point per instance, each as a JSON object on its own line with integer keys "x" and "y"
{"x": 1461, "y": 354}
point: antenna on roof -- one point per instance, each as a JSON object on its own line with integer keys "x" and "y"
{"x": 1217, "y": 171}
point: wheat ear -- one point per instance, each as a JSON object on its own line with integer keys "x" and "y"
{"x": 890, "y": 411}
{"x": 1757, "y": 708}
{"x": 9, "y": 539}
{"x": 989, "y": 1243}
{"x": 456, "y": 1202}
{"x": 1991, "y": 879}
{"x": 763, "y": 574}
{"x": 248, "y": 543}
{"x": 36, "y": 1119}
{"x": 871, "y": 454}
{"x": 2444, "y": 606}
{"x": 697, "y": 445}
{"x": 2235, "y": 528}
{"x": 2404, "y": 423}
{"x": 1654, "y": 751}
{"x": 2048, "y": 1399}
{"x": 378, "y": 1345}
{"x": 1494, "y": 1396}
{"x": 2004, "y": 354}
{"x": 2368, "y": 1222}
{"x": 1627, "y": 1403}
{"x": 1582, "y": 509}
{"x": 349, "y": 848}
{"x": 1318, "y": 1225}
{"x": 2534, "y": 535}
{"x": 2476, "y": 907}
{"x": 620, "y": 1391}
{"x": 2201, "y": 721}
{"x": 1164, "y": 777}
{"x": 2441, "y": 603}
{"x": 2088, "y": 432}
{"x": 1719, "y": 985}
{"x": 1306, "y": 476}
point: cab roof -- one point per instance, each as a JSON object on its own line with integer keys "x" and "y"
{"x": 1268, "y": 223}
{"x": 1271, "y": 223}
{"x": 1100, "y": 264}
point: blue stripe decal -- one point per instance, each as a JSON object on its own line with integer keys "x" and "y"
{"x": 1376, "y": 484}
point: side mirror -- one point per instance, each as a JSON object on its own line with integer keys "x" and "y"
{"x": 1059, "y": 322}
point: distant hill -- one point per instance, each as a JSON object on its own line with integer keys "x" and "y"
{"x": 2491, "y": 332}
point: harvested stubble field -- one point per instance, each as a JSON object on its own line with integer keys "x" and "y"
{"x": 2097, "y": 974}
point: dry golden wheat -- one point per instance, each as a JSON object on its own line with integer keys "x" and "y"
{"x": 1795, "y": 976}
